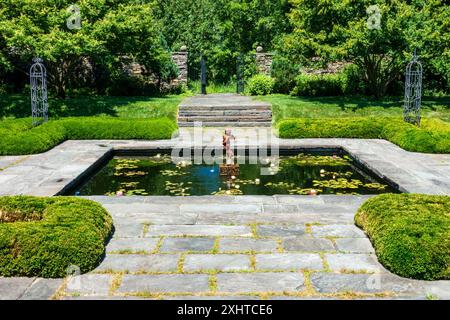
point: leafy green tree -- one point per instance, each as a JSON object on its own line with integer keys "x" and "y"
{"x": 221, "y": 29}
{"x": 107, "y": 31}
{"x": 379, "y": 41}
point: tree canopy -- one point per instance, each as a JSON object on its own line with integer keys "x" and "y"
{"x": 378, "y": 36}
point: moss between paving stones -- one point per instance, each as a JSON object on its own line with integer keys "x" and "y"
{"x": 410, "y": 233}
{"x": 44, "y": 236}
{"x": 19, "y": 137}
{"x": 432, "y": 137}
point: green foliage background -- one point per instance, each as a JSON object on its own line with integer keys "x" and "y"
{"x": 116, "y": 32}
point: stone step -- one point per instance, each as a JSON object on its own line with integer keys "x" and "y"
{"x": 249, "y": 112}
{"x": 247, "y": 118}
{"x": 228, "y": 124}
{"x": 224, "y": 107}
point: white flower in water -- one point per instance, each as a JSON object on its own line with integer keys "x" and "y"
{"x": 228, "y": 192}
{"x": 237, "y": 186}
{"x": 158, "y": 155}
{"x": 233, "y": 177}
{"x": 322, "y": 171}
{"x": 257, "y": 181}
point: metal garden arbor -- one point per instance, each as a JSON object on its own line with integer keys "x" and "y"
{"x": 39, "y": 101}
{"x": 413, "y": 91}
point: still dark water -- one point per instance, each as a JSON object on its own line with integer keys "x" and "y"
{"x": 301, "y": 174}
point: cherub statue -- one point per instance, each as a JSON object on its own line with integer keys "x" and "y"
{"x": 226, "y": 142}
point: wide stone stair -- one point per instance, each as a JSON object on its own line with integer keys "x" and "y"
{"x": 221, "y": 110}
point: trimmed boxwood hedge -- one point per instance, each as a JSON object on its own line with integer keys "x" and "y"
{"x": 19, "y": 137}
{"x": 410, "y": 233}
{"x": 432, "y": 137}
{"x": 44, "y": 236}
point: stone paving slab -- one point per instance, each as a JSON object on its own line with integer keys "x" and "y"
{"x": 281, "y": 230}
{"x": 334, "y": 283}
{"x": 355, "y": 245}
{"x": 221, "y": 209}
{"x": 89, "y": 284}
{"x": 256, "y": 245}
{"x": 6, "y": 161}
{"x": 343, "y": 231}
{"x": 42, "y": 289}
{"x": 131, "y": 245}
{"x": 376, "y": 283}
{"x": 164, "y": 283}
{"x": 198, "y": 230}
{"x": 123, "y": 209}
{"x": 306, "y": 243}
{"x": 261, "y": 282}
{"x": 128, "y": 230}
{"x": 218, "y": 262}
{"x": 13, "y": 288}
{"x": 288, "y": 261}
{"x": 354, "y": 262}
{"x": 187, "y": 244}
{"x": 156, "y": 218}
{"x": 139, "y": 263}
{"x": 280, "y": 218}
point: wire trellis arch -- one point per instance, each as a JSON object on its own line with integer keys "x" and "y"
{"x": 413, "y": 91}
{"x": 39, "y": 100}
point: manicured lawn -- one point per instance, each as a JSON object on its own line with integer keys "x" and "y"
{"x": 285, "y": 106}
{"x": 18, "y": 106}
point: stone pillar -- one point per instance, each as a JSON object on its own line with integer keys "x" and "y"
{"x": 180, "y": 58}
{"x": 263, "y": 61}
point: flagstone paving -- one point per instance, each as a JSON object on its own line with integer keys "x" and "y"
{"x": 259, "y": 260}
{"x": 249, "y": 247}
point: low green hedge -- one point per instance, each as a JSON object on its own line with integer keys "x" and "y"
{"x": 432, "y": 137}
{"x": 410, "y": 233}
{"x": 19, "y": 137}
{"x": 45, "y": 236}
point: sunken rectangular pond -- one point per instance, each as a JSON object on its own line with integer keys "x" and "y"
{"x": 295, "y": 172}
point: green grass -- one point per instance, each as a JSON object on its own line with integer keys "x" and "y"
{"x": 18, "y": 106}
{"x": 85, "y": 117}
{"x": 285, "y": 106}
{"x": 410, "y": 233}
{"x": 43, "y": 237}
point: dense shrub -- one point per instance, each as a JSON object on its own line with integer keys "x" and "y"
{"x": 410, "y": 233}
{"x": 44, "y": 236}
{"x": 284, "y": 72}
{"x": 352, "y": 80}
{"x": 260, "y": 85}
{"x": 312, "y": 85}
{"x": 18, "y": 137}
{"x": 432, "y": 137}
{"x": 136, "y": 85}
